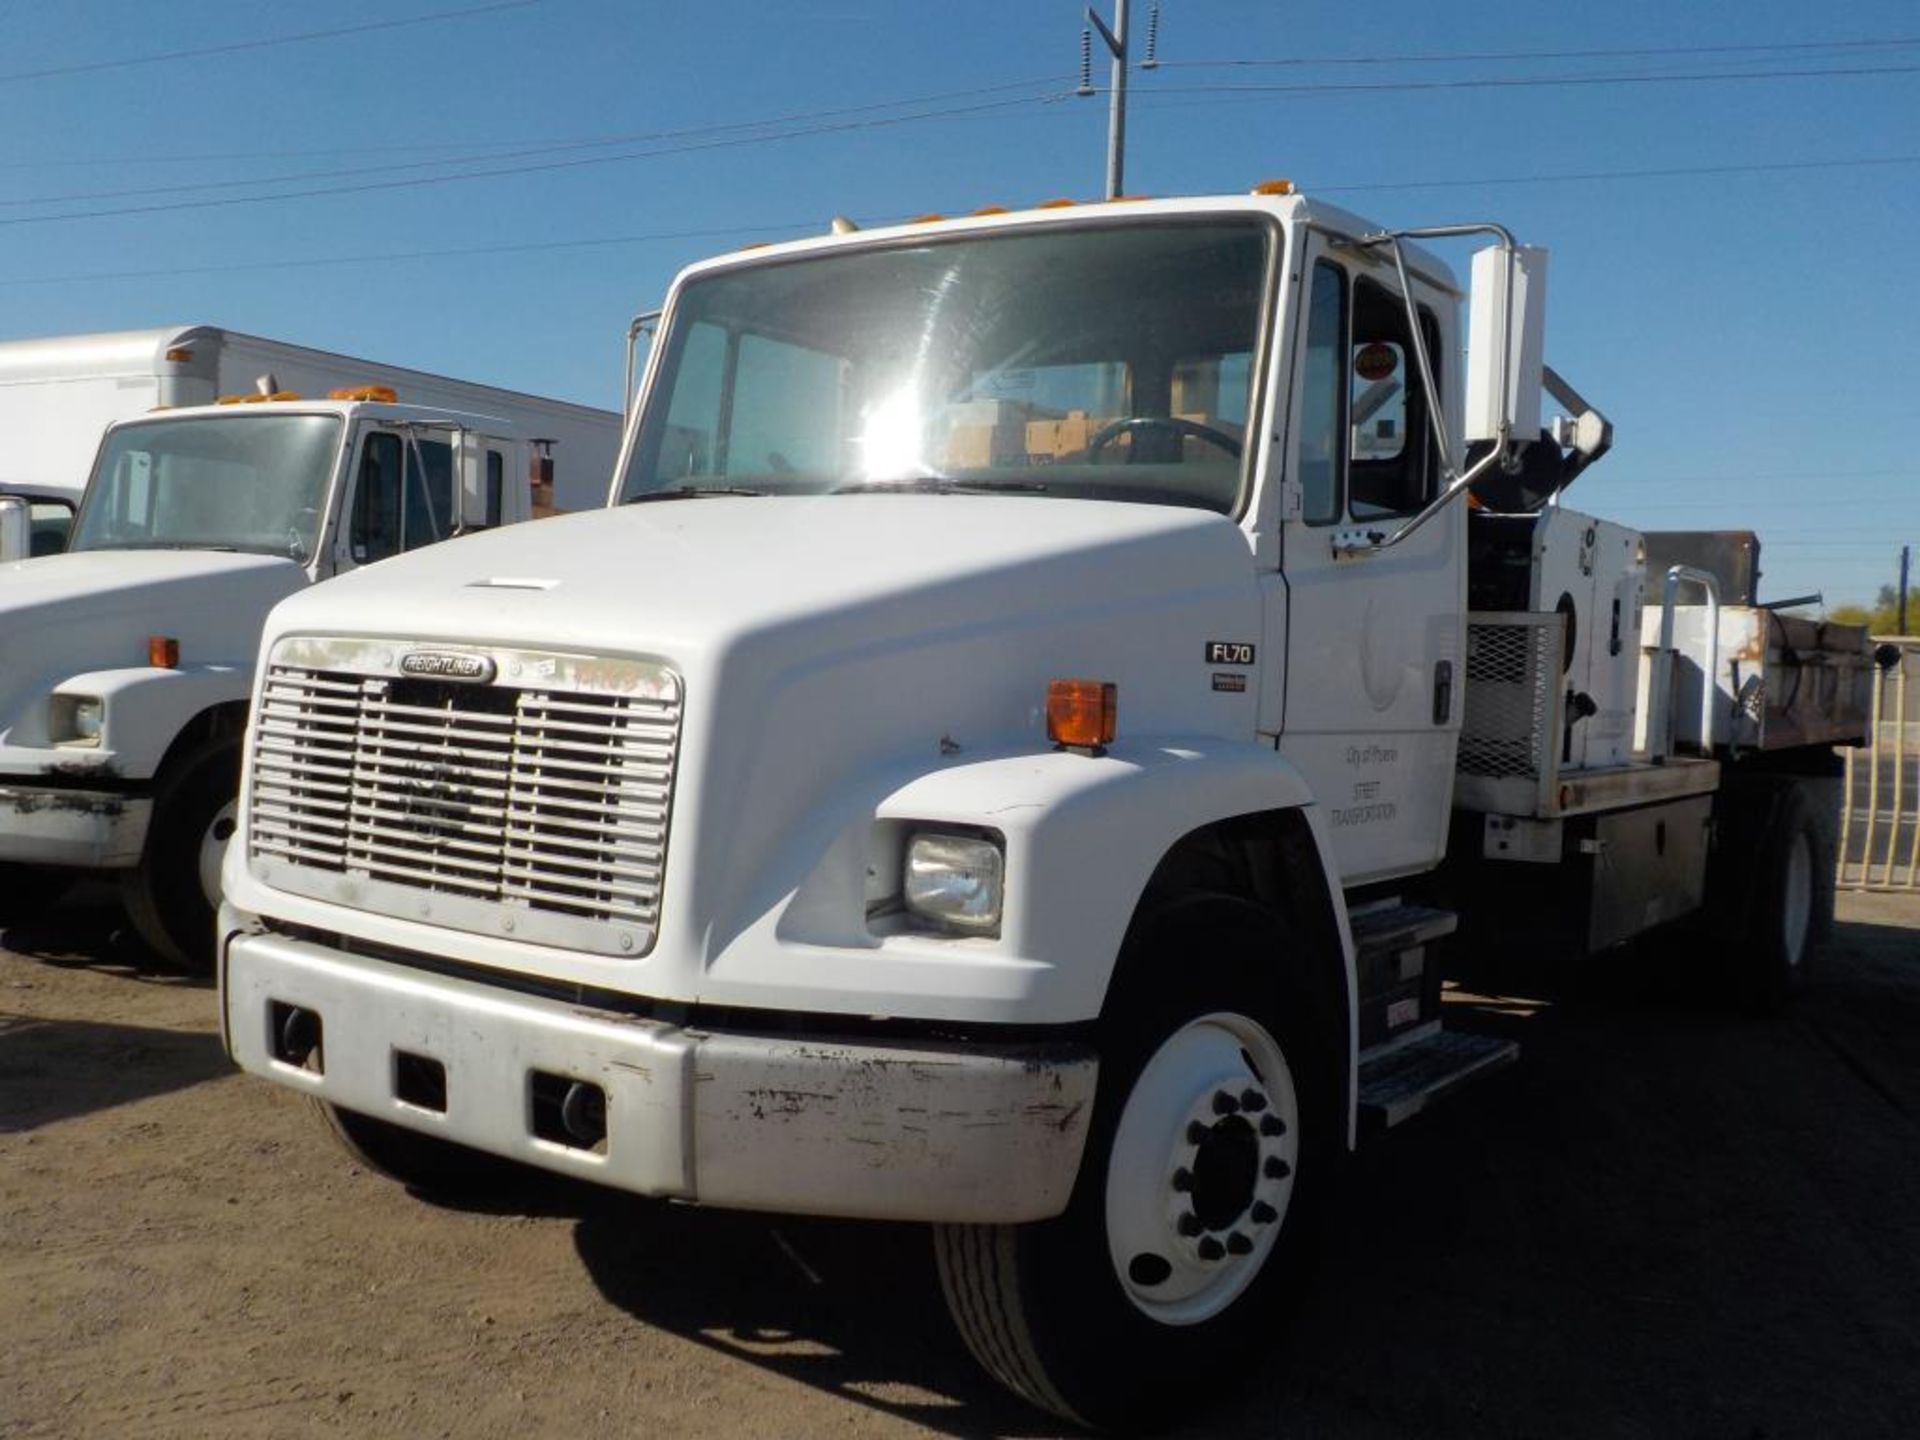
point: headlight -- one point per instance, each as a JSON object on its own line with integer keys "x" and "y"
{"x": 76, "y": 719}
{"x": 956, "y": 880}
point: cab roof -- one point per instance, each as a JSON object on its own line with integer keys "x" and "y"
{"x": 395, "y": 413}
{"x": 1289, "y": 208}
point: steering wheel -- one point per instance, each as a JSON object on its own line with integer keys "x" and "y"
{"x": 1171, "y": 425}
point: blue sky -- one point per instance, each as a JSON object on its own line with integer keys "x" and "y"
{"x": 1751, "y": 333}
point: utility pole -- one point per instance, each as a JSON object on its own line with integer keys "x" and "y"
{"x": 1114, "y": 37}
{"x": 1906, "y": 565}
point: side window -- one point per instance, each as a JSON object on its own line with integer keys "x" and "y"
{"x": 1393, "y": 462}
{"x": 1323, "y": 397}
{"x": 374, "y": 531}
{"x": 428, "y": 511}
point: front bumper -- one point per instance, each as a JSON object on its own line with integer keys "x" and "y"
{"x": 72, "y": 827}
{"x": 902, "y": 1130}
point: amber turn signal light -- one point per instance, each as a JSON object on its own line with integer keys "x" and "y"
{"x": 163, "y": 652}
{"x": 1082, "y": 712}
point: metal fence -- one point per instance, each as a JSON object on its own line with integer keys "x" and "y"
{"x": 1880, "y": 825}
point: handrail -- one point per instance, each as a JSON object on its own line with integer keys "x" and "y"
{"x": 641, "y": 324}
{"x": 1660, "y": 696}
{"x": 1362, "y": 540}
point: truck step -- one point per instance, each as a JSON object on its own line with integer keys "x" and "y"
{"x": 1397, "y": 926}
{"x": 1400, "y": 1081}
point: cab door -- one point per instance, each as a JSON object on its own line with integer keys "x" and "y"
{"x": 1372, "y": 702}
{"x": 404, "y": 488}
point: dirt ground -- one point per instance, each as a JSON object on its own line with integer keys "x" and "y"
{"x": 1662, "y": 1222}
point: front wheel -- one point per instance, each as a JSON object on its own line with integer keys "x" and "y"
{"x": 1214, "y": 1135}
{"x": 173, "y": 893}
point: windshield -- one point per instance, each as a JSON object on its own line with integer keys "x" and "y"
{"x": 1105, "y": 362}
{"x": 228, "y": 482}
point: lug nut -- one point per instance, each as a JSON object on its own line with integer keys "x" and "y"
{"x": 1238, "y": 1244}
{"x": 1197, "y": 1133}
{"x": 1210, "y": 1249}
{"x": 1188, "y": 1224}
{"x": 1252, "y": 1101}
{"x": 1183, "y": 1180}
{"x": 1263, "y": 1213}
{"x": 1276, "y": 1168}
{"x": 1223, "y": 1103}
{"x": 1272, "y": 1125}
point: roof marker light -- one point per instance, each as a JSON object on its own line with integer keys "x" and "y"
{"x": 1273, "y": 187}
{"x": 385, "y": 394}
{"x": 1059, "y": 204}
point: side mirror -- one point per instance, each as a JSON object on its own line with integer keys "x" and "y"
{"x": 1506, "y": 338}
{"x": 16, "y": 528}
{"x": 1886, "y": 656}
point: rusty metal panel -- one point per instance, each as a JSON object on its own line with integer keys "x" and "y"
{"x": 1732, "y": 557}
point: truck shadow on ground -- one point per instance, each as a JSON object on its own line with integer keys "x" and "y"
{"x": 88, "y": 930}
{"x": 56, "y": 1069}
{"x": 1665, "y": 1220}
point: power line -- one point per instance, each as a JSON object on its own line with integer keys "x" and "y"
{"x": 496, "y": 172}
{"x": 775, "y": 227}
{"x": 496, "y": 153}
{"x": 235, "y": 47}
{"x": 1899, "y": 42}
{"x": 1523, "y": 82}
{"x": 395, "y": 257}
{"x": 1663, "y": 173}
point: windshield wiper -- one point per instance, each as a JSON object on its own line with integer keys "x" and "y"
{"x": 940, "y": 485}
{"x": 689, "y": 492}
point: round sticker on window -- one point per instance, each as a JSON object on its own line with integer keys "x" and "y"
{"x": 1376, "y": 361}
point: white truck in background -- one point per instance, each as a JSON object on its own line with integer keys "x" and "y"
{"x": 126, "y": 662}
{"x": 1006, "y": 763}
{"x": 58, "y": 393}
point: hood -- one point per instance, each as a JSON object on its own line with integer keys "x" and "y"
{"x": 65, "y": 615}
{"x": 675, "y": 578}
{"x": 833, "y": 647}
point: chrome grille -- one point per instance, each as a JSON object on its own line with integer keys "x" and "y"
{"x": 534, "y": 806}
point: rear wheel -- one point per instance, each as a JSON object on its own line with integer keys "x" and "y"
{"x": 1214, "y": 1135}
{"x": 173, "y": 893}
{"x": 420, "y": 1162}
{"x": 27, "y": 892}
{"x": 1790, "y": 913}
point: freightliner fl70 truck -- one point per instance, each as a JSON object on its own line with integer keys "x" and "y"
{"x": 126, "y": 663}
{"x": 1004, "y": 762}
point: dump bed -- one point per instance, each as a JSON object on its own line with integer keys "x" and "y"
{"x": 1784, "y": 680}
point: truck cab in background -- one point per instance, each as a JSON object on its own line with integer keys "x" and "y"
{"x": 126, "y": 663}
{"x": 1004, "y": 765}
{"x": 35, "y": 520}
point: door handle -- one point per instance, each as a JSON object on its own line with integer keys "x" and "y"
{"x": 1442, "y": 691}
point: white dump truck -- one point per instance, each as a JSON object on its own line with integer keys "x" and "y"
{"x": 58, "y": 392}
{"x": 1050, "y": 681}
{"x": 126, "y": 663}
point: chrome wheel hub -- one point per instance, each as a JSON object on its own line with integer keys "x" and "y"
{"x": 213, "y": 850}
{"x": 1202, "y": 1168}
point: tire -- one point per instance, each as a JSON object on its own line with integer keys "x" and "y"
{"x": 424, "y": 1163}
{"x": 172, "y": 894}
{"x": 1214, "y": 1139}
{"x": 1790, "y": 905}
{"x": 27, "y": 892}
